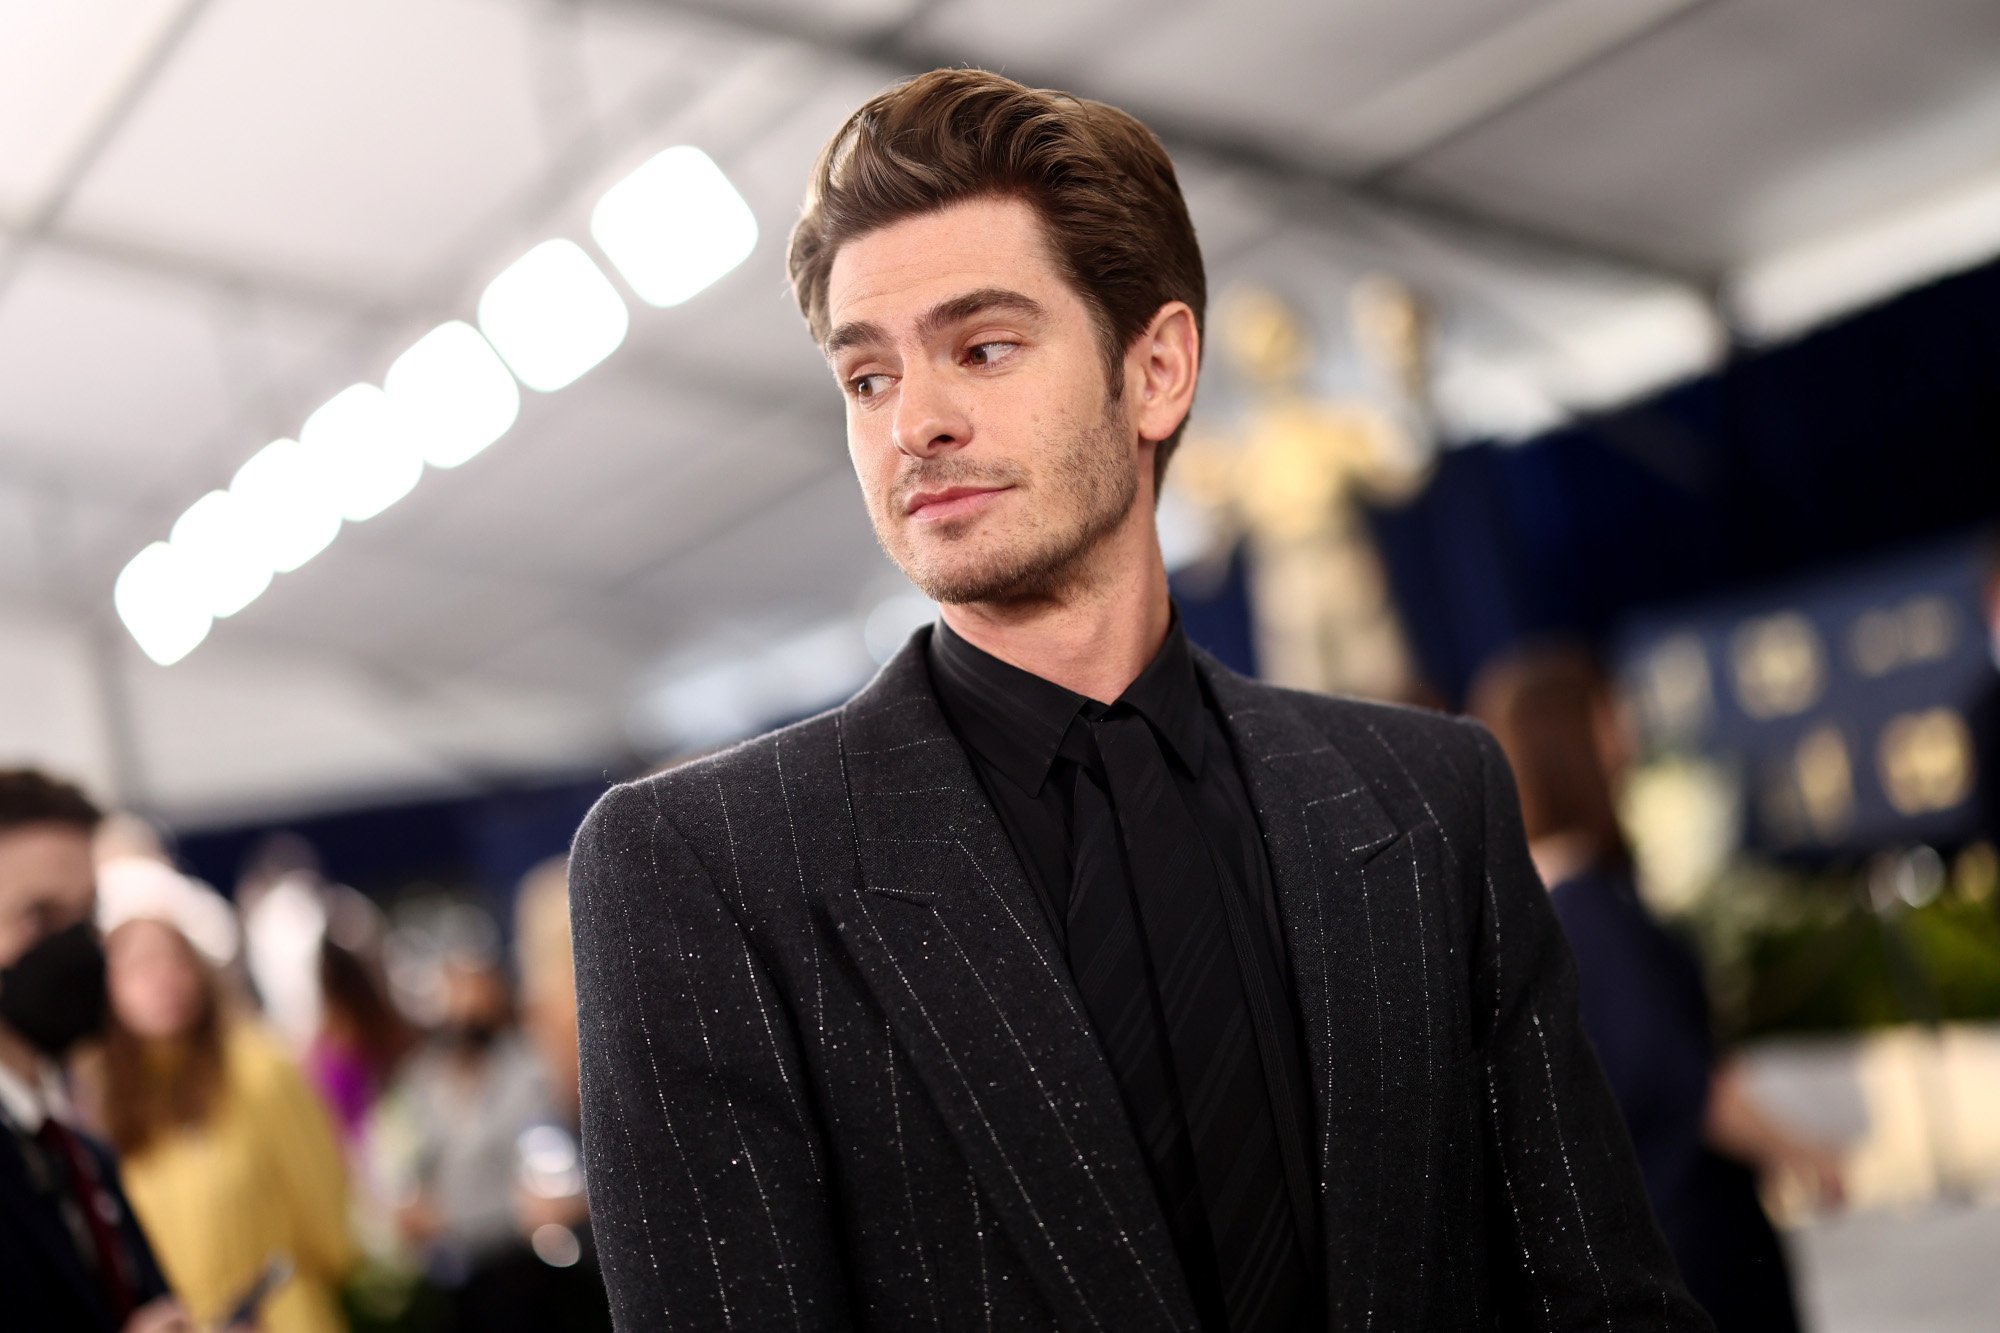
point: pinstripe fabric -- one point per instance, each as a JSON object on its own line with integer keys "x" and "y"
{"x": 835, "y": 1074}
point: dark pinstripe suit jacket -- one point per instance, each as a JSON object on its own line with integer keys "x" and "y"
{"x": 835, "y": 1073}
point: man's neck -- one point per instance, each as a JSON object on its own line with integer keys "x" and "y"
{"x": 1095, "y": 639}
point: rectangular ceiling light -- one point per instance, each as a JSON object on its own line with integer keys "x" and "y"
{"x": 454, "y": 395}
{"x": 552, "y": 315}
{"x": 362, "y": 451}
{"x": 288, "y": 513}
{"x": 160, "y": 605}
{"x": 219, "y": 551}
{"x": 674, "y": 226}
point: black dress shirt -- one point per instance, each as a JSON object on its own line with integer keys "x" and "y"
{"x": 1013, "y": 725}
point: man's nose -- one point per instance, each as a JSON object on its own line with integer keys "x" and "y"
{"x": 928, "y": 420}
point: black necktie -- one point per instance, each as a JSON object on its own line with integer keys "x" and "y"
{"x": 1150, "y": 948}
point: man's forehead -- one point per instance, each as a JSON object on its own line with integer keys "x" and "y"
{"x": 36, "y": 858}
{"x": 897, "y": 271}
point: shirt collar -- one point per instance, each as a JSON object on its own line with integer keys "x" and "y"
{"x": 29, "y": 1103}
{"x": 1168, "y": 695}
{"x": 1016, "y": 720}
{"x": 1013, "y": 718}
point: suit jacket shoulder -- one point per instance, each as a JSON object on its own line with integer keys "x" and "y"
{"x": 1423, "y": 766}
{"x": 703, "y": 800}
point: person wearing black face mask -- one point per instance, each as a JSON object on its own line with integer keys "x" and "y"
{"x": 471, "y": 1097}
{"x": 72, "y": 1256}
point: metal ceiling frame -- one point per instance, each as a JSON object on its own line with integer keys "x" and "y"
{"x": 583, "y": 150}
{"x": 1300, "y": 188}
{"x": 125, "y": 99}
{"x": 894, "y": 45}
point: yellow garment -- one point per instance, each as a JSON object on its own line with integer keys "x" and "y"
{"x": 260, "y": 1178}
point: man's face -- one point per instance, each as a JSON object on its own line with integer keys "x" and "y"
{"x": 475, "y": 995}
{"x": 47, "y": 883}
{"x": 993, "y": 459}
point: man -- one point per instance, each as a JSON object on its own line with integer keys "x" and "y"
{"x": 1062, "y": 978}
{"x": 71, "y": 1254}
{"x": 488, "y": 1175}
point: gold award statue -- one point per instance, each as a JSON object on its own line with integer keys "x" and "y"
{"x": 1289, "y": 477}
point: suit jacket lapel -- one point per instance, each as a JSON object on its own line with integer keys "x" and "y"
{"x": 951, "y": 940}
{"x": 1343, "y": 870}
{"x": 43, "y": 1222}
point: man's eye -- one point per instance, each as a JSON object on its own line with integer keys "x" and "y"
{"x": 864, "y": 386}
{"x": 985, "y": 354}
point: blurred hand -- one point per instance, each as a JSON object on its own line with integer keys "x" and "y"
{"x": 1805, "y": 1170}
{"x": 161, "y": 1316}
{"x": 1815, "y": 1170}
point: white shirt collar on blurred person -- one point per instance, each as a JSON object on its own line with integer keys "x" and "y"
{"x": 30, "y": 1102}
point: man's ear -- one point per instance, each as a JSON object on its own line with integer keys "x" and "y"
{"x": 1161, "y": 367}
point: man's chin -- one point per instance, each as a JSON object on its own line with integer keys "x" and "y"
{"x": 994, "y": 580}
{"x": 947, "y": 557}
{"x": 979, "y": 561}
{"x": 949, "y": 585}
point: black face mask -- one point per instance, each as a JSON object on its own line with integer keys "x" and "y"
{"x": 54, "y": 994}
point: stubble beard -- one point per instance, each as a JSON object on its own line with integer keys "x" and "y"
{"x": 1051, "y": 557}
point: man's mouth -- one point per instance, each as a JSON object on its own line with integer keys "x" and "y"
{"x": 952, "y": 502}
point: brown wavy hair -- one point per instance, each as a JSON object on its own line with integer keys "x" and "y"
{"x": 1101, "y": 182}
{"x": 140, "y": 1101}
{"x": 1544, "y": 702}
{"x": 357, "y": 1011}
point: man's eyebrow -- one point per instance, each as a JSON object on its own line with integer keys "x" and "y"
{"x": 985, "y": 300}
{"x": 944, "y": 314}
{"x": 854, "y": 333}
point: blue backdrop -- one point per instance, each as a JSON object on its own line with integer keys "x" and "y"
{"x": 1861, "y": 437}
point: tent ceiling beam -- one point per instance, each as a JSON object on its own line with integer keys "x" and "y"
{"x": 895, "y": 46}
{"x": 118, "y": 109}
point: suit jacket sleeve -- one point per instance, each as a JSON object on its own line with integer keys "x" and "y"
{"x": 707, "y": 1172}
{"x": 1576, "y": 1245}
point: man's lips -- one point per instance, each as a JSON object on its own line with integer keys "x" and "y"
{"x": 951, "y": 502}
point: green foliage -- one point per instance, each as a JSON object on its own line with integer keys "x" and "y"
{"x": 389, "y": 1298}
{"x": 1789, "y": 953}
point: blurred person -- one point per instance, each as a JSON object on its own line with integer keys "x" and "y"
{"x": 1983, "y": 716}
{"x": 124, "y": 835}
{"x": 1063, "y": 977}
{"x": 362, "y": 1043}
{"x": 283, "y": 896}
{"x": 547, "y": 970}
{"x": 548, "y": 978}
{"x": 72, "y": 1254}
{"x": 228, "y": 1155}
{"x": 1701, "y": 1137}
{"x": 479, "y": 1098}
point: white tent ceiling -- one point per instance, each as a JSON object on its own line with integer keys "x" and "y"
{"x": 214, "y": 214}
